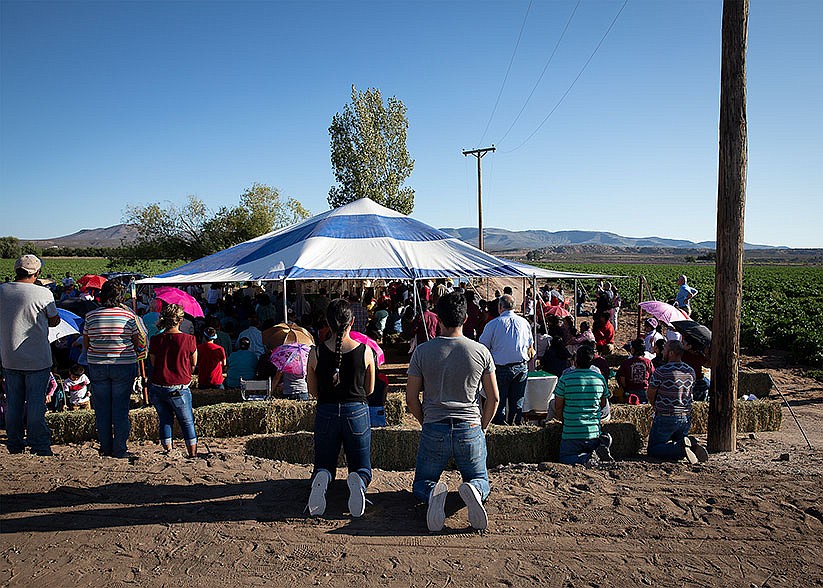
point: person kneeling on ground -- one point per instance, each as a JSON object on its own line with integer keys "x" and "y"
{"x": 580, "y": 396}
{"x": 670, "y": 393}
{"x": 451, "y": 369}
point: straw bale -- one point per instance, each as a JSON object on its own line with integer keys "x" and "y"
{"x": 395, "y": 408}
{"x": 757, "y": 383}
{"x": 214, "y": 396}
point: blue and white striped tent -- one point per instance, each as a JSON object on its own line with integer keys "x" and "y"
{"x": 361, "y": 240}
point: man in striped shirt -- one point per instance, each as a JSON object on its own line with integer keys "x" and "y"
{"x": 580, "y": 396}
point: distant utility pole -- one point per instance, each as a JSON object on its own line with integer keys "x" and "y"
{"x": 731, "y": 204}
{"x": 479, "y": 153}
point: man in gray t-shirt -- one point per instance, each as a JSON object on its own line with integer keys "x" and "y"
{"x": 451, "y": 370}
{"x": 27, "y": 311}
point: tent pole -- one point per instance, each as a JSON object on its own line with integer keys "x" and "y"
{"x": 285, "y": 303}
{"x": 575, "y": 302}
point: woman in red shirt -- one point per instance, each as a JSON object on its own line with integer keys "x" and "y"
{"x": 603, "y": 333}
{"x": 174, "y": 356}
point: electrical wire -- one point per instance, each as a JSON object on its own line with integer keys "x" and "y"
{"x": 508, "y": 70}
{"x": 545, "y": 68}
{"x": 569, "y": 89}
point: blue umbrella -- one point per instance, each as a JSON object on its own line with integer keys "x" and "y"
{"x": 70, "y": 324}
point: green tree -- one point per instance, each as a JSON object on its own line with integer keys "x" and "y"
{"x": 9, "y": 247}
{"x": 369, "y": 154}
{"x": 191, "y": 230}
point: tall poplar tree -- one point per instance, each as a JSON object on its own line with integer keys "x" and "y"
{"x": 369, "y": 154}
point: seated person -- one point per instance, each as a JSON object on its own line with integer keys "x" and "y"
{"x": 241, "y": 364}
{"x": 634, "y": 373}
{"x": 659, "y": 346}
{"x": 211, "y": 361}
{"x": 557, "y": 357}
{"x": 76, "y": 388}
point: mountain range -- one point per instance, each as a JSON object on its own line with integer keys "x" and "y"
{"x": 496, "y": 240}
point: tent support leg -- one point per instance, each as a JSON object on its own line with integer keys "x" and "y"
{"x": 285, "y": 304}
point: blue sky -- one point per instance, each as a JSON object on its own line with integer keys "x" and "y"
{"x": 105, "y": 104}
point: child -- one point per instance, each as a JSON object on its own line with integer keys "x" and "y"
{"x": 76, "y": 387}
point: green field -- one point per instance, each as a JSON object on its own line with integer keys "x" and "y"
{"x": 782, "y": 305}
{"x": 78, "y": 266}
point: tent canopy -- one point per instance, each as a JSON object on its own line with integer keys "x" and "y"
{"x": 361, "y": 240}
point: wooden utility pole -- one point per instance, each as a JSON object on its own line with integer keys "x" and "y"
{"x": 731, "y": 202}
{"x": 479, "y": 153}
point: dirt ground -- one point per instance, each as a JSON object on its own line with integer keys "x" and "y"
{"x": 751, "y": 518}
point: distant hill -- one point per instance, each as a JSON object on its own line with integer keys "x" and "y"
{"x": 504, "y": 240}
{"x": 106, "y": 237}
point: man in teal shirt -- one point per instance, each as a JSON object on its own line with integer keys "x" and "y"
{"x": 580, "y": 396}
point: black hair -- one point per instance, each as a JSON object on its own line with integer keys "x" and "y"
{"x": 244, "y": 343}
{"x": 339, "y": 316}
{"x": 112, "y": 294}
{"x": 638, "y": 347}
{"x": 585, "y": 356}
{"x": 451, "y": 310}
{"x": 77, "y": 370}
{"x": 508, "y": 290}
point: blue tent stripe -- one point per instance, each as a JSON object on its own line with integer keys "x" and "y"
{"x": 358, "y": 226}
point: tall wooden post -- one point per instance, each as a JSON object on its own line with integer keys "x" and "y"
{"x": 479, "y": 153}
{"x": 639, "y": 300}
{"x": 731, "y": 202}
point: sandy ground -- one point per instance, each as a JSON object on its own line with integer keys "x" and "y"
{"x": 752, "y": 518}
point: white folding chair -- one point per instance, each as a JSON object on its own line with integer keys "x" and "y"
{"x": 255, "y": 389}
{"x": 539, "y": 391}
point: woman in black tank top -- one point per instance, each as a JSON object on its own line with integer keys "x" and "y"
{"x": 340, "y": 375}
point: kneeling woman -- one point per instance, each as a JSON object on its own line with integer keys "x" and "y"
{"x": 340, "y": 375}
{"x": 173, "y": 355}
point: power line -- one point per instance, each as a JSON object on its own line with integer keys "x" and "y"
{"x": 545, "y": 68}
{"x": 569, "y": 89}
{"x": 508, "y": 70}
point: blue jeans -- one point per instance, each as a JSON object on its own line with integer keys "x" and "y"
{"x": 171, "y": 402}
{"x": 574, "y": 451}
{"x": 347, "y": 424}
{"x": 26, "y": 394}
{"x": 511, "y": 383}
{"x": 439, "y": 442}
{"x": 111, "y": 387}
{"x": 666, "y": 436}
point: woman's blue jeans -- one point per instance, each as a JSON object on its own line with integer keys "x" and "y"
{"x": 347, "y": 424}
{"x": 170, "y": 402}
{"x": 461, "y": 440}
{"x": 666, "y": 436}
{"x": 111, "y": 386}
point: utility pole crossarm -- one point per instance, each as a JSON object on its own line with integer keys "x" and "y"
{"x": 479, "y": 153}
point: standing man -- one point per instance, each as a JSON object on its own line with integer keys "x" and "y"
{"x": 579, "y": 399}
{"x": 685, "y": 293}
{"x": 670, "y": 393}
{"x": 509, "y": 338}
{"x": 451, "y": 369}
{"x": 26, "y": 313}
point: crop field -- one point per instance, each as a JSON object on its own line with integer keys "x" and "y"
{"x": 782, "y": 305}
{"x": 78, "y": 266}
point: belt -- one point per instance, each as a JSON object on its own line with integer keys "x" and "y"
{"x": 505, "y": 365}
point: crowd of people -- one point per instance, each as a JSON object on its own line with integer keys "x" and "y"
{"x": 469, "y": 366}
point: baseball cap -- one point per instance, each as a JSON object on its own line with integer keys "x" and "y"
{"x": 30, "y": 263}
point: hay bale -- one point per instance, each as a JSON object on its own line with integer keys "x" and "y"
{"x": 395, "y": 408}
{"x": 214, "y": 396}
{"x": 395, "y": 448}
{"x": 74, "y": 426}
{"x": 757, "y": 383}
{"x": 285, "y": 416}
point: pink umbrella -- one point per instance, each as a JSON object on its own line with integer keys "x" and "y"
{"x": 182, "y": 299}
{"x": 665, "y": 312}
{"x": 379, "y": 356}
{"x": 557, "y": 311}
{"x": 291, "y": 358}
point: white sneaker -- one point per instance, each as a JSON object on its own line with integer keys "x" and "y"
{"x": 695, "y": 452}
{"x": 317, "y": 498}
{"x": 436, "y": 514}
{"x": 357, "y": 494}
{"x": 478, "y": 518}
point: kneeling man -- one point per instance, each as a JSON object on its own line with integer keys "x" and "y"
{"x": 450, "y": 369}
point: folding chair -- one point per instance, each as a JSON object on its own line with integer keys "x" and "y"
{"x": 255, "y": 389}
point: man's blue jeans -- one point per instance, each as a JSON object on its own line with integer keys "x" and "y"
{"x": 439, "y": 442}
{"x": 26, "y": 393}
{"x": 171, "y": 402}
{"x": 347, "y": 424}
{"x": 577, "y": 451}
{"x": 111, "y": 386}
{"x": 666, "y": 436}
{"x": 511, "y": 383}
